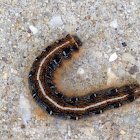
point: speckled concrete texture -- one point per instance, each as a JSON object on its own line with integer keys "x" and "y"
{"x": 110, "y": 32}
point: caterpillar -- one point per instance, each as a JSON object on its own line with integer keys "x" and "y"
{"x": 50, "y": 99}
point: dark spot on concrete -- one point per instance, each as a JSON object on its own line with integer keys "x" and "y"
{"x": 22, "y": 126}
{"x": 124, "y": 44}
{"x": 133, "y": 70}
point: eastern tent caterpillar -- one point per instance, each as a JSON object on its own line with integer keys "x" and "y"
{"x": 45, "y": 92}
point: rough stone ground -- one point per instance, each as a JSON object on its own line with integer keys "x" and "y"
{"x": 110, "y": 32}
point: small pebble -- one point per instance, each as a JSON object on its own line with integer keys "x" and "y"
{"x": 5, "y": 75}
{"x": 16, "y": 24}
{"x": 80, "y": 71}
{"x": 93, "y": 21}
{"x": 128, "y": 58}
{"x": 122, "y": 132}
{"x": 124, "y": 44}
{"x": 3, "y": 109}
{"x": 14, "y": 71}
{"x": 42, "y": 21}
{"x": 9, "y": 43}
{"x": 133, "y": 70}
{"x": 69, "y": 131}
{"x": 113, "y": 57}
{"x": 14, "y": 50}
{"x": 13, "y": 119}
{"x": 36, "y": 12}
{"x": 56, "y": 21}
{"x": 33, "y": 29}
{"x": 22, "y": 126}
{"x": 98, "y": 54}
{"x": 24, "y": 108}
{"x": 115, "y": 66}
{"x": 133, "y": 76}
{"x": 29, "y": 31}
{"x": 29, "y": 35}
{"x": 101, "y": 36}
{"x": 4, "y": 59}
{"x": 114, "y": 24}
{"x": 106, "y": 56}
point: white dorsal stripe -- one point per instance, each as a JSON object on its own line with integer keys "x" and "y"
{"x": 69, "y": 108}
{"x": 137, "y": 91}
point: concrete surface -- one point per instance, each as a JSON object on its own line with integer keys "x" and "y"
{"x": 110, "y": 32}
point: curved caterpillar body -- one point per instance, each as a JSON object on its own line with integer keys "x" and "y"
{"x": 45, "y": 92}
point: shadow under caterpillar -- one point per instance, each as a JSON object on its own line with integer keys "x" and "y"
{"x": 46, "y": 94}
